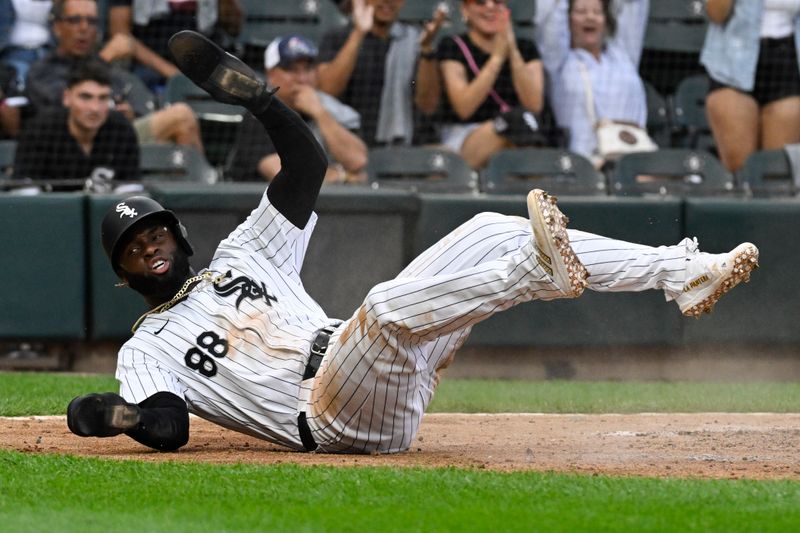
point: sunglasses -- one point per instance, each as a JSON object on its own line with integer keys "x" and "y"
{"x": 484, "y": 2}
{"x": 75, "y": 20}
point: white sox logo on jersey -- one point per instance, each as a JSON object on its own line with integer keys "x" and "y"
{"x": 249, "y": 289}
{"x": 125, "y": 210}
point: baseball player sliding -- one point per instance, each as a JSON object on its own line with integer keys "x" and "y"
{"x": 242, "y": 345}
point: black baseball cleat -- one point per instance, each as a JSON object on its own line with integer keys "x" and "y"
{"x": 101, "y": 415}
{"x": 225, "y": 77}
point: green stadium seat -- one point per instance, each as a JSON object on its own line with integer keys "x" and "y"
{"x": 674, "y": 171}
{"x": 218, "y": 122}
{"x": 420, "y": 169}
{"x": 768, "y": 173}
{"x": 174, "y": 162}
{"x": 676, "y": 25}
{"x": 8, "y": 149}
{"x": 264, "y": 20}
{"x": 517, "y": 171}
{"x": 689, "y": 113}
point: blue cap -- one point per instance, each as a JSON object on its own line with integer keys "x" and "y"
{"x": 284, "y": 51}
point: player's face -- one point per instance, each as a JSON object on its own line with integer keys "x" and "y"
{"x": 76, "y": 29}
{"x": 89, "y": 104}
{"x": 587, "y": 24}
{"x": 386, "y": 11}
{"x": 153, "y": 263}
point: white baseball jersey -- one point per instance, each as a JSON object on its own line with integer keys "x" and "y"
{"x": 236, "y": 350}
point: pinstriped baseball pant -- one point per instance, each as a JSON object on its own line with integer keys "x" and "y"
{"x": 381, "y": 369}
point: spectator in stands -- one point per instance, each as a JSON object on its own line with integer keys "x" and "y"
{"x": 587, "y": 44}
{"x": 84, "y": 140}
{"x": 24, "y": 34}
{"x": 290, "y": 64}
{"x": 153, "y": 22}
{"x": 376, "y": 63}
{"x": 494, "y": 84}
{"x": 75, "y": 28}
{"x": 750, "y": 54}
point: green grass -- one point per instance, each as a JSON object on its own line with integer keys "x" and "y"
{"x": 57, "y": 493}
{"x": 63, "y": 493}
{"x": 26, "y": 393}
{"x": 48, "y": 394}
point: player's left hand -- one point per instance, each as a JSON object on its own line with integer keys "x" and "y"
{"x": 101, "y": 415}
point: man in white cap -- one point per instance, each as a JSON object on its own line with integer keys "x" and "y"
{"x": 289, "y": 63}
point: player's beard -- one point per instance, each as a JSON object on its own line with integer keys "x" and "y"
{"x": 160, "y": 289}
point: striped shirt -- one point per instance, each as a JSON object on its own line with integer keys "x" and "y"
{"x": 236, "y": 348}
{"x": 618, "y": 90}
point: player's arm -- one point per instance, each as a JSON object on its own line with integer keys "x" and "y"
{"x": 295, "y": 188}
{"x": 161, "y": 421}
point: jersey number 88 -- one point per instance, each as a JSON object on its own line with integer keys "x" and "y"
{"x": 199, "y": 358}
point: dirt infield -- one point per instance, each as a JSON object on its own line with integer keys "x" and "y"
{"x": 704, "y": 445}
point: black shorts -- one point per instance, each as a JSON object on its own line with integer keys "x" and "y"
{"x": 777, "y": 75}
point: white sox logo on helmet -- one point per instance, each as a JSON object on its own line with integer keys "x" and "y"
{"x": 125, "y": 210}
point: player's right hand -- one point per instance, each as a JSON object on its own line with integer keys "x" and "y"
{"x": 101, "y": 415}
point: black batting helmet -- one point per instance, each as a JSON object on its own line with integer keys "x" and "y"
{"x": 129, "y": 212}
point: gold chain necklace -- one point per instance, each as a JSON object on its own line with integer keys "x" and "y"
{"x": 178, "y": 296}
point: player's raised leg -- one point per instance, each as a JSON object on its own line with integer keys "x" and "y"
{"x": 378, "y": 377}
{"x": 694, "y": 279}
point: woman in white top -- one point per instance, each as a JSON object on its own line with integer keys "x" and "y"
{"x": 593, "y": 40}
{"x": 750, "y": 54}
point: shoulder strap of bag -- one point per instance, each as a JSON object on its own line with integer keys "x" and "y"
{"x": 475, "y": 70}
{"x": 587, "y": 90}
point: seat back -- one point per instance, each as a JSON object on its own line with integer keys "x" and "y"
{"x": 218, "y": 122}
{"x": 689, "y": 113}
{"x": 676, "y": 26}
{"x": 134, "y": 91}
{"x": 675, "y": 171}
{"x": 420, "y": 169}
{"x": 174, "y": 162}
{"x": 266, "y": 19}
{"x": 768, "y": 173}
{"x": 8, "y": 150}
{"x": 517, "y": 171}
{"x": 659, "y": 118}
{"x": 418, "y": 12}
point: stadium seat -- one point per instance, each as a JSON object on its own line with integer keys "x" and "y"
{"x": 218, "y": 122}
{"x": 139, "y": 96}
{"x": 8, "y": 150}
{"x": 265, "y": 20}
{"x": 768, "y": 173}
{"x": 672, "y": 43}
{"x": 659, "y": 119}
{"x": 676, "y": 25}
{"x": 689, "y": 113}
{"x": 420, "y": 169}
{"x": 173, "y": 162}
{"x": 558, "y": 171}
{"x": 673, "y": 171}
{"x": 417, "y": 12}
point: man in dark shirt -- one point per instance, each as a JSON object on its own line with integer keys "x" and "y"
{"x": 384, "y": 69}
{"x": 289, "y": 63}
{"x": 83, "y": 141}
{"x": 75, "y": 27}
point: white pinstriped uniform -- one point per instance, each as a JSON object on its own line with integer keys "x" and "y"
{"x": 381, "y": 366}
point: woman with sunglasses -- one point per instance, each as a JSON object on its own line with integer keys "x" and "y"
{"x": 494, "y": 83}
{"x": 591, "y": 47}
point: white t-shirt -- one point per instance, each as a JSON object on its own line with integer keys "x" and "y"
{"x": 30, "y": 28}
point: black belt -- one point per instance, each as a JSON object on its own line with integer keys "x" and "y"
{"x": 318, "y": 349}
